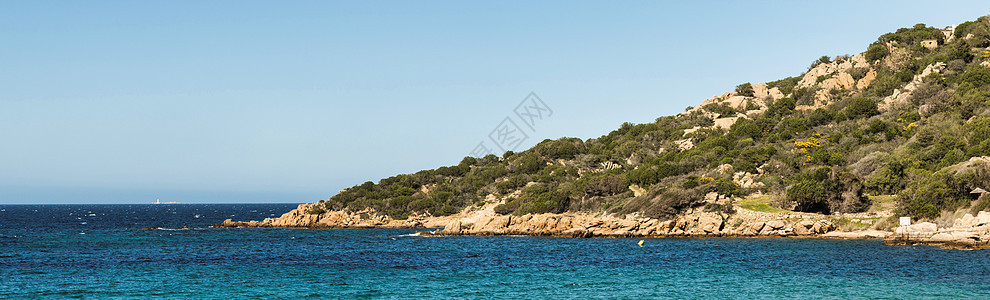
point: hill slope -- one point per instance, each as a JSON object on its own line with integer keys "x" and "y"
{"x": 889, "y": 121}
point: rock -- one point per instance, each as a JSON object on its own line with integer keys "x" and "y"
{"x": 710, "y": 223}
{"x": 684, "y": 144}
{"x": 823, "y": 227}
{"x": 982, "y": 219}
{"x": 725, "y": 123}
{"x": 577, "y": 233}
{"x": 754, "y": 228}
{"x": 803, "y": 227}
{"x": 775, "y": 94}
{"x": 923, "y": 227}
{"x": 452, "y": 228}
{"x": 959, "y": 237}
{"x": 496, "y": 225}
{"x": 866, "y": 234}
{"x": 760, "y": 90}
{"x": 941, "y": 237}
{"x": 965, "y": 222}
{"x": 811, "y": 77}
{"x": 901, "y": 95}
{"x": 628, "y": 225}
{"x": 737, "y": 102}
{"x": 775, "y": 225}
{"x": 637, "y": 190}
{"x": 746, "y": 180}
{"x": 866, "y": 80}
{"x": 841, "y": 80}
{"x": 968, "y": 220}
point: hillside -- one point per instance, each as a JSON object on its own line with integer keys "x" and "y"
{"x": 897, "y": 119}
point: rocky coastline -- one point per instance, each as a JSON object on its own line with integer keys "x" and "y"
{"x": 484, "y": 221}
{"x": 967, "y": 232}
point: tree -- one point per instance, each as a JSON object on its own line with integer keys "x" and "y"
{"x": 876, "y": 51}
{"x": 606, "y": 186}
{"x": 862, "y": 107}
{"x": 745, "y": 89}
{"x": 821, "y": 60}
{"x": 827, "y": 190}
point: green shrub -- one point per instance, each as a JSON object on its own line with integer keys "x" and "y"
{"x": 648, "y": 175}
{"x": 745, "y": 89}
{"x": 876, "y": 51}
{"x": 786, "y": 85}
{"x": 821, "y": 60}
{"x": 861, "y": 107}
{"x": 316, "y": 210}
{"x": 721, "y": 109}
{"x": 608, "y": 185}
{"x": 558, "y": 149}
{"x": 925, "y": 199}
{"x": 824, "y": 190}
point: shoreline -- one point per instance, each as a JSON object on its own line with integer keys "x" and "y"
{"x": 969, "y": 232}
{"x": 483, "y": 221}
{"x": 887, "y": 237}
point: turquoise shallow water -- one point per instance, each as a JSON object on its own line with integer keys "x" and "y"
{"x": 99, "y": 251}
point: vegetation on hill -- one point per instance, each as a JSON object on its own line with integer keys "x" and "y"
{"x": 819, "y": 148}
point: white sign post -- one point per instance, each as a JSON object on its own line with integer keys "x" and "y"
{"x": 905, "y": 221}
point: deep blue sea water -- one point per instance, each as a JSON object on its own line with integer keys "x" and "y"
{"x": 100, "y": 251}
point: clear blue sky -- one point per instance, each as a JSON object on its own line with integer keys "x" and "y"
{"x": 265, "y": 101}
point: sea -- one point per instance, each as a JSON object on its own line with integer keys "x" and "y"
{"x": 107, "y": 252}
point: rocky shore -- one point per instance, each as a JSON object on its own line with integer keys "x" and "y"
{"x": 968, "y": 232}
{"x": 484, "y": 221}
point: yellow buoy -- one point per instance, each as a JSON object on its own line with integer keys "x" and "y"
{"x": 641, "y": 243}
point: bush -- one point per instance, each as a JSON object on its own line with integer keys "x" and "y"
{"x": 861, "y": 107}
{"x": 786, "y": 85}
{"x": 821, "y": 116}
{"x": 746, "y": 128}
{"x": 976, "y": 76}
{"x": 876, "y": 51}
{"x": 721, "y": 109}
{"x": 536, "y": 199}
{"x": 925, "y": 199}
{"x": 529, "y": 163}
{"x": 608, "y": 185}
{"x": 745, "y": 89}
{"x": 821, "y": 60}
{"x": 647, "y": 175}
{"x": 824, "y": 190}
{"x": 666, "y": 204}
{"x": 558, "y": 149}
{"x": 317, "y": 209}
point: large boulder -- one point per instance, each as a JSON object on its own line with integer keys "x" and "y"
{"x": 968, "y": 220}
{"x": 710, "y": 224}
{"x": 923, "y": 227}
{"x": 775, "y": 225}
{"x": 452, "y": 228}
{"x": 823, "y": 227}
{"x": 754, "y": 228}
{"x": 803, "y": 227}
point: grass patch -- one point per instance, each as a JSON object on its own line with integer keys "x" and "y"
{"x": 850, "y": 225}
{"x": 883, "y": 202}
{"x": 760, "y": 204}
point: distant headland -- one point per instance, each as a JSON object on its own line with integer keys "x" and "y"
{"x": 843, "y": 150}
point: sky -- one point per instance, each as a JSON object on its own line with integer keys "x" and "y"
{"x": 292, "y": 101}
